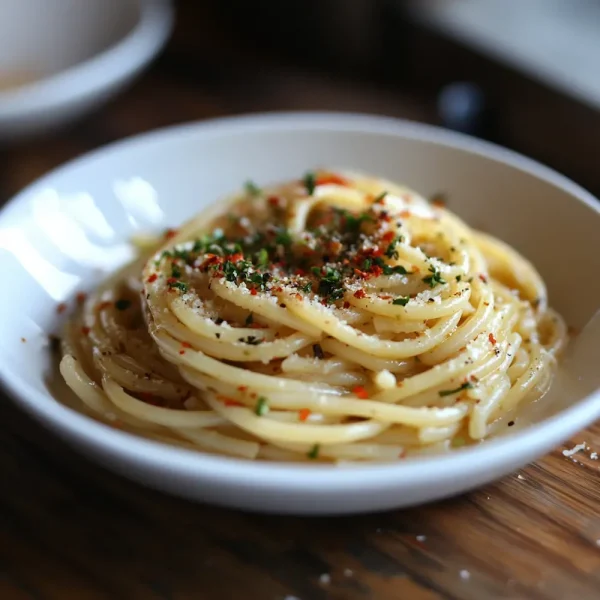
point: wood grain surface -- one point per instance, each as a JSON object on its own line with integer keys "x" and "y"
{"x": 70, "y": 529}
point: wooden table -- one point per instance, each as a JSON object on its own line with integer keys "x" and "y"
{"x": 69, "y": 529}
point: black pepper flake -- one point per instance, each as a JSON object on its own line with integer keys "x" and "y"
{"x": 511, "y": 423}
{"x": 282, "y": 305}
{"x": 122, "y": 304}
{"x": 218, "y": 336}
{"x": 318, "y": 351}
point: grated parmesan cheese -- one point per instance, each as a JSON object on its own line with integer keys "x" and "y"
{"x": 574, "y": 450}
{"x": 385, "y": 380}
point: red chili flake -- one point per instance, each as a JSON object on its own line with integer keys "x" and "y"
{"x": 438, "y": 203}
{"x": 152, "y": 278}
{"x": 376, "y": 271}
{"x": 388, "y": 236}
{"x": 346, "y": 304}
{"x": 359, "y": 294}
{"x": 186, "y": 345}
{"x": 483, "y": 278}
{"x": 61, "y": 308}
{"x": 273, "y": 200}
{"x": 332, "y": 179}
{"x": 253, "y": 292}
{"x": 377, "y": 251}
{"x": 300, "y": 272}
{"x": 402, "y": 454}
{"x": 236, "y": 257}
{"x": 230, "y": 402}
{"x": 298, "y": 297}
{"x": 360, "y": 391}
{"x": 242, "y": 388}
{"x": 81, "y": 297}
{"x": 172, "y": 280}
{"x": 492, "y": 339}
{"x": 303, "y": 414}
{"x": 85, "y": 330}
{"x": 170, "y": 233}
{"x": 385, "y": 297}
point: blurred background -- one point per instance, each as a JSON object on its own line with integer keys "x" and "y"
{"x": 524, "y": 74}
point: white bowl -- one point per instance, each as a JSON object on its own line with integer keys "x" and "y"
{"x": 66, "y": 57}
{"x": 62, "y": 233}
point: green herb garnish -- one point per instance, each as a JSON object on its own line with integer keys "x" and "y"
{"x": 379, "y": 198}
{"x": 310, "y": 182}
{"x": 435, "y": 278}
{"x": 307, "y": 288}
{"x": 366, "y": 266}
{"x": 313, "y": 453}
{"x": 262, "y": 406}
{"x": 251, "y": 188}
{"x": 391, "y": 251}
{"x": 179, "y": 285}
{"x": 467, "y": 385}
{"x": 402, "y": 301}
{"x": 262, "y": 258}
{"x": 398, "y": 269}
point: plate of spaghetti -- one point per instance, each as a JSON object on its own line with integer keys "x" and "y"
{"x": 361, "y": 314}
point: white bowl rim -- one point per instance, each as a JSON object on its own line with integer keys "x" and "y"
{"x": 308, "y": 477}
{"x": 91, "y": 76}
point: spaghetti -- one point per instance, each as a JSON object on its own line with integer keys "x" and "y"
{"x": 335, "y": 318}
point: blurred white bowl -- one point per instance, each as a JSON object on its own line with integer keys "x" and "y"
{"x": 61, "y": 58}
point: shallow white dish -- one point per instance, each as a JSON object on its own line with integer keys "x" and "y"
{"x": 62, "y": 233}
{"x": 70, "y": 56}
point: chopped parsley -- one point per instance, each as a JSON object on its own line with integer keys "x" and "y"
{"x": 367, "y": 264}
{"x": 391, "y": 251}
{"x": 283, "y": 238}
{"x": 379, "y": 198}
{"x": 122, "y": 304}
{"x": 179, "y": 285}
{"x": 435, "y": 278}
{"x": 467, "y": 385}
{"x": 398, "y": 269}
{"x": 262, "y": 406}
{"x": 262, "y": 258}
{"x": 251, "y": 188}
{"x": 313, "y": 453}
{"x": 307, "y": 288}
{"x": 310, "y": 182}
{"x": 402, "y": 301}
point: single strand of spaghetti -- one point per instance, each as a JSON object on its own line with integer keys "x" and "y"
{"x": 363, "y": 359}
{"x": 385, "y": 325}
{"x": 302, "y": 364}
{"x": 497, "y": 389}
{"x": 217, "y": 442}
{"x": 415, "y": 309}
{"x": 295, "y": 432}
{"x": 166, "y": 417}
{"x": 198, "y": 361}
{"x": 359, "y": 451}
{"x": 372, "y": 344}
{"x": 431, "y": 435}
